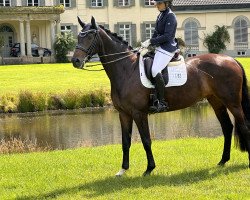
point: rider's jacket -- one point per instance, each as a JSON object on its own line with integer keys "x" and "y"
{"x": 165, "y": 29}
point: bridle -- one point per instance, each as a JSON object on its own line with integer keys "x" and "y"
{"x": 89, "y": 51}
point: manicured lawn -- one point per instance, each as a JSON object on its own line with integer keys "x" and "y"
{"x": 186, "y": 169}
{"x": 246, "y": 64}
{"x": 46, "y": 78}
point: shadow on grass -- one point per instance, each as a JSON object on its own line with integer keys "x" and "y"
{"x": 114, "y": 184}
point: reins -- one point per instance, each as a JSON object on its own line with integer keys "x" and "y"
{"x": 89, "y": 51}
{"x": 118, "y": 59}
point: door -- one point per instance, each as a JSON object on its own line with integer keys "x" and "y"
{"x": 7, "y": 35}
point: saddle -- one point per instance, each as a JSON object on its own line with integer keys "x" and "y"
{"x": 148, "y": 59}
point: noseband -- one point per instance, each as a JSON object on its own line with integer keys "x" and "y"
{"x": 88, "y": 51}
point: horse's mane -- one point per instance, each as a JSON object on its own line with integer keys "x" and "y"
{"x": 116, "y": 37}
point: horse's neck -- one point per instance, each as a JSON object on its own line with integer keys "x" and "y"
{"x": 118, "y": 68}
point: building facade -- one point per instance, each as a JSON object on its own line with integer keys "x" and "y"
{"x": 38, "y": 21}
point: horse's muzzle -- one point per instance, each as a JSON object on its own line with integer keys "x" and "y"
{"x": 76, "y": 63}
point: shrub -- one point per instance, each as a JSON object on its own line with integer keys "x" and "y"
{"x": 72, "y": 99}
{"x": 56, "y": 102}
{"x": 8, "y": 104}
{"x": 85, "y": 100}
{"x": 98, "y": 98}
{"x": 216, "y": 41}
{"x": 63, "y": 44}
{"x": 40, "y": 101}
{"x": 26, "y": 102}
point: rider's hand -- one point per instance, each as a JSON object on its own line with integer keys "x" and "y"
{"x": 146, "y": 43}
{"x": 143, "y": 51}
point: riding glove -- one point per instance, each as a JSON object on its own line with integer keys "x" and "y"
{"x": 146, "y": 43}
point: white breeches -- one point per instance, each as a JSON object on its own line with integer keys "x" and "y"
{"x": 161, "y": 60}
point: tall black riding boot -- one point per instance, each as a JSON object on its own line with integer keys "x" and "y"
{"x": 160, "y": 104}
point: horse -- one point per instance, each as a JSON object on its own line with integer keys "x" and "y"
{"x": 218, "y": 78}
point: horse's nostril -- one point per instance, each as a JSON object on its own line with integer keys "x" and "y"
{"x": 76, "y": 62}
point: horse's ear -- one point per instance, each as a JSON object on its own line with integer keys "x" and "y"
{"x": 81, "y": 22}
{"x": 93, "y": 23}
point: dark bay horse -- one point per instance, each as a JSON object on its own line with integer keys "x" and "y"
{"x": 218, "y": 78}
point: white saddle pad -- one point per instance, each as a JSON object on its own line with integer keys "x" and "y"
{"x": 177, "y": 74}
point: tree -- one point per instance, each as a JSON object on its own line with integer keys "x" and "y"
{"x": 63, "y": 44}
{"x": 216, "y": 42}
{"x": 181, "y": 45}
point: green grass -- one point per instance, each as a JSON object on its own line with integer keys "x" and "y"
{"x": 50, "y": 78}
{"x": 246, "y": 64}
{"x": 186, "y": 169}
{"x": 29, "y": 88}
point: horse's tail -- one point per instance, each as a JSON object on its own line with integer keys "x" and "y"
{"x": 245, "y": 104}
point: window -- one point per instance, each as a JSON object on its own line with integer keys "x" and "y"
{"x": 149, "y": 3}
{"x": 125, "y": 32}
{"x": 240, "y": 31}
{"x": 65, "y": 29}
{"x": 32, "y": 3}
{"x": 6, "y": 29}
{"x": 241, "y": 34}
{"x": 123, "y": 2}
{"x": 149, "y": 30}
{"x": 241, "y": 53}
{"x": 96, "y": 3}
{"x": 191, "y": 54}
{"x": 65, "y": 3}
{"x": 4, "y": 2}
{"x": 191, "y": 34}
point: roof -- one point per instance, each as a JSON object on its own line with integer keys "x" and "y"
{"x": 182, "y": 5}
{"x": 208, "y": 2}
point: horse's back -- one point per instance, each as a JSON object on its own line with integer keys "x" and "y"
{"x": 208, "y": 75}
{"x": 218, "y": 74}
{"x": 213, "y": 61}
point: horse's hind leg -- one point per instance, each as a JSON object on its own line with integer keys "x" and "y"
{"x": 242, "y": 132}
{"x": 126, "y": 125}
{"x": 226, "y": 125}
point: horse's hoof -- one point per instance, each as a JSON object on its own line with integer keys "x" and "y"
{"x": 147, "y": 173}
{"x": 120, "y": 173}
{"x": 221, "y": 163}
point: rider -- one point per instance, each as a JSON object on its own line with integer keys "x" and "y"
{"x": 164, "y": 39}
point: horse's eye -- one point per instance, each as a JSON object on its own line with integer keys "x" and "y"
{"x": 89, "y": 37}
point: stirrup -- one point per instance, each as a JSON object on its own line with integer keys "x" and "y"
{"x": 162, "y": 106}
{"x": 154, "y": 107}
{"x": 159, "y": 106}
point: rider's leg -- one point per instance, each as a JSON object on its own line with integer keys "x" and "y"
{"x": 161, "y": 60}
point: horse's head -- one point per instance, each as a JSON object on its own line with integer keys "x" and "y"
{"x": 87, "y": 43}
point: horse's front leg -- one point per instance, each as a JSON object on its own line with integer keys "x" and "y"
{"x": 141, "y": 120}
{"x": 126, "y": 125}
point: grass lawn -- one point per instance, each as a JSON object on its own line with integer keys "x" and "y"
{"x": 186, "y": 169}
{"x": 50, "y": 78}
